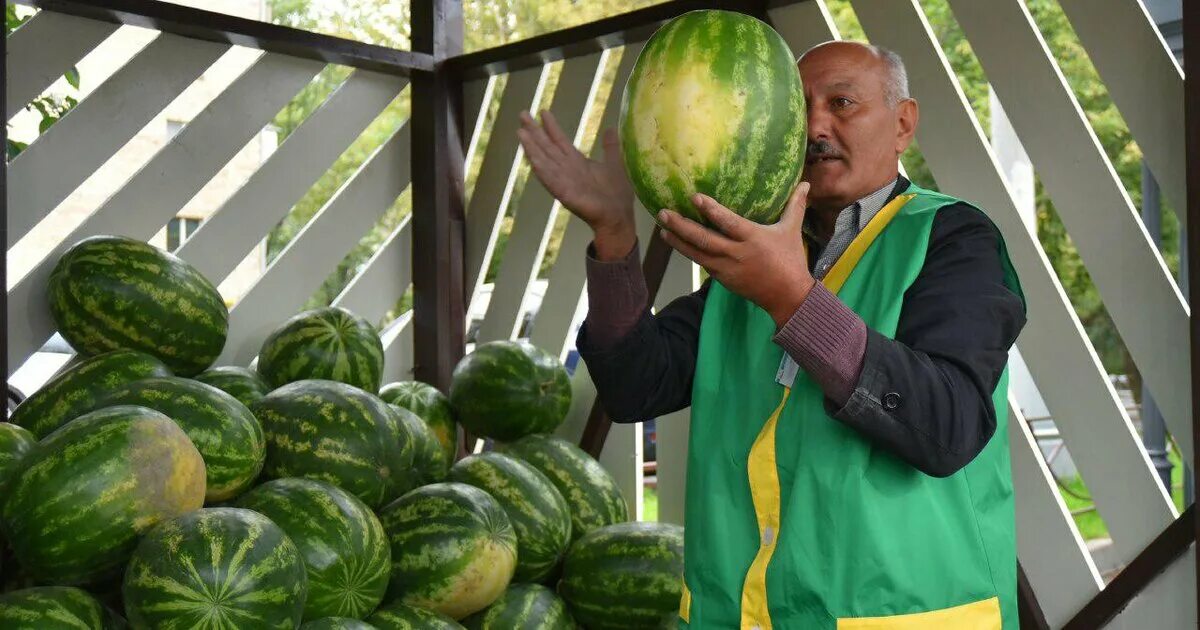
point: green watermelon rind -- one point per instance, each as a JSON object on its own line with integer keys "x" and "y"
{"x": 244, "y": 384}
{"x": 506, "y": 390}
{"x": 52, "y": 608}
{"x": 430, "y": 405}
{"x": 400, "y": 616}
{"x": 329, "y": 343}
{"x": 523, "y": 607}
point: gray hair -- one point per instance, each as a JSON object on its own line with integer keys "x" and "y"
{"x": 895, "y": 89}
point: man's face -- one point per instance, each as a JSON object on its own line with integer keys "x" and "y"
{"x": 855, "y": 136}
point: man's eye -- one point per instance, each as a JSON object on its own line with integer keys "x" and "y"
{"x": 841, "y": 102}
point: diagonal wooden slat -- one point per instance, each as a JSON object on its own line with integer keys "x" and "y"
{"x": 1103, "y": 442}
{"x": 498, "y": 174}
{"x": 315, "y": 252}
{"x": 1144, "y": 81}
{"x": 1054, "y": 557}
{"x": 172, "y": 177}
{"x": 398, "y": 352}
{"x": 803, "y": 25}
{"x": 564, "y": 289}
{"x": 537, "y": 209}
{"x": 384, "y": 278}
{"x": 79, "y": 144}
{"x": 307, "y": 154}
{"x": 42, "y": 50}
{"x": 1134, "y": 282}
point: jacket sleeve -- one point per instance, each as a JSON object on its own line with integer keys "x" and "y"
{"x": 649, "y": 371}
{"x": 926, "y": 396}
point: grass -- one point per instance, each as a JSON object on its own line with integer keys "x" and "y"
{"x": 649, "y": 504}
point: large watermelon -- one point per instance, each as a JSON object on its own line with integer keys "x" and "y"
{"x": 111, "y": 292}
{"x": 227, "y": 435}
{"x": 54, "y": 608}
{"x": 337, "y": 433}
{"x": 343, "y": 545}
{"x": 429, "y": 459}
{"x": 400, "y": 616}
{"x": 76, "y": 390}
{"x": 337, "y": 623}
{"x": 538, "y": 512}
{"x": 242, "y": 383}
{"x": 592, "y": 493}
{"x": 625, "y": 577}
{"x": 325, "y": 343}
{"x": 75, "y": 509}
{"x": 453, "y": 548}
{"x": 15, "y": 443}
{"x": 714, "y": 105}
{"x": 216, "y": 568}
{"x": 430, "y": 405}
{"x": 509, "y": 389}
{"x": 523, "y": 607}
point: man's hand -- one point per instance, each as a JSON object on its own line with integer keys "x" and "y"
{"x": 766, "y": 264}
{"x": 599, "y": 193}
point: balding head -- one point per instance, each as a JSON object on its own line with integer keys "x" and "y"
{"x": 893, "y": 74}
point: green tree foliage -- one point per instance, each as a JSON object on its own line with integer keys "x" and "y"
{"x": 51, "y": 107}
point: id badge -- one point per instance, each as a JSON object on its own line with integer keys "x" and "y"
{"x": 786, "y": 375}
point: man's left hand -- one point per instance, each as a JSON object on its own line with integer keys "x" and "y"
{"x": 766, "y": 264}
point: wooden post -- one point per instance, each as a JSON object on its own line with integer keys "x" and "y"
{"x": 1191, "y": 98}
{"x": 437, "y": 175}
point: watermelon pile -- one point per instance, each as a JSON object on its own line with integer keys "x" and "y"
{"x": 144, "y": 485}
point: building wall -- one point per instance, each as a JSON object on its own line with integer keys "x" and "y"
{"x": 94, "y": 69}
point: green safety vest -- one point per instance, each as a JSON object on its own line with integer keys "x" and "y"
{"x": 797, "y": 521}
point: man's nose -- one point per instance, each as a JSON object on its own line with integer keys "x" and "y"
{"x": 819, "y": 123}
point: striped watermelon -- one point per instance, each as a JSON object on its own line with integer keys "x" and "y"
{"x": 523, "y": 607}
{"x": 592, "y": 493}
{"x": 538, "y": 512}
{"x": 215, "y": 568}
{"x": 429, "y": 459}
{"x": 453, "y": 548}
{"x": 227, "y": 435}
{"x": 345, "y": 550}
{"x": 337, "y": 433}
{"x": 74, "y": 511}
{"x": 625, "y": 576}
{"x": 733, "y": 77}
{"x": 325, "y": 343}
{"x": 54, "y": 608}
{"x": 401, "y": 616}
{"x": 111, "y": 292}
{"x": 242, "y": 383}
{"x": 15, "y": 443}
{"x": 337, "y": 623}
{"x": 430, "y": 405}
{"x": 509, "y": 389}
{"x": 76, "y": 390}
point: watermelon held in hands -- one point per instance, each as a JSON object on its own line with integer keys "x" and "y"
{"x": 53, "y": 608}
{"x": 453, "y": 548}
{"x": 84, "y": 495}
{"x": 228, "y": 436}
{"x": 79, "y": 388}
{"x": 242, "y": 383}
{"x": 506, "y": 390}
{"x": 340, "y": 434}
{"x": 110, "y": 292}
{"x": 523, "y": 607}
{"x": 337, "y": 623}
{"x": 624, "y": 576}
{"x": 328, "y": 343}
{"x": 714, "y": 105}
{"x": 538, "y": 512}
{"x": 400, "y": 616}
{"x": 15, "y": 443}
{"x": 223, "y": 568}
{"x": 591, "y": 493}
{"x": 430, "y": 405}
{"x": 345, "y": 550}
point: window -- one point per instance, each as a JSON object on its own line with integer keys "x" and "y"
{"x": 178, "y": 231}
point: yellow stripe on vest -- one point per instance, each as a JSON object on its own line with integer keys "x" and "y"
{"x": 761, "y": 469}
{"x": 685, "y": 605}
{"x": 981, "y": 615}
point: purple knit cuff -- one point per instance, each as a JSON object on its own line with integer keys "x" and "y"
{"x": 828, "y": 341}
{"x": 617, "y": 295}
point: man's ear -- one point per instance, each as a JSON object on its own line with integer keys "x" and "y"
{"x": 908, "y": 114}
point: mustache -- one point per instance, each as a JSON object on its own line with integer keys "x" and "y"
{"x": 823, "y": 149}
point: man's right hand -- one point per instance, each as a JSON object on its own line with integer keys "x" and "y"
{"x": 599, "y": 193}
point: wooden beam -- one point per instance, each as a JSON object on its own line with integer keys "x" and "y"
{"x": 586, "y": 39}
{"x": 437, "y": 173}
{"x": 1029, "y": 611}
{"x": 219, "y": 27}
{"x": 1137, "y": 575}
{"x": 1191, "y": 117}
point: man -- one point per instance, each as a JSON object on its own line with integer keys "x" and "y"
{"x": 848, "y": 464}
